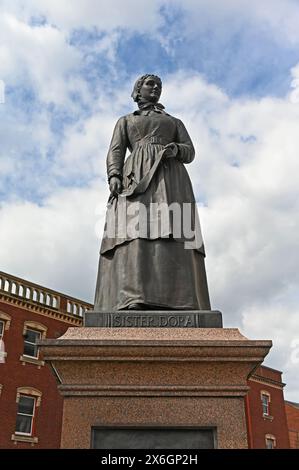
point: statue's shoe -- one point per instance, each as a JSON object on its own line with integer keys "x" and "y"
{"x": 136, "y": 307}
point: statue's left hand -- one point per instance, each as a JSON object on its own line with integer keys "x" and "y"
{"x": 171, "y": 150}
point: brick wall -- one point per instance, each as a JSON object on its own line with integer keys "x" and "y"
{"x": 14, "y": 374}
{"x": 268, "y": 380}
{"x": 292, "y": 412}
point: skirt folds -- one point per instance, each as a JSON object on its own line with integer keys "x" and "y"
{"x": 157, "y": 273}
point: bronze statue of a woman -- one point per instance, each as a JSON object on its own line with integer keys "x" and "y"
{"x": 145, "y": 261}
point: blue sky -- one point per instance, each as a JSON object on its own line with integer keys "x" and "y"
{"x": 239, "y": 53}
{"x": 247, "y": 61}
{"x": 230, "y": 71}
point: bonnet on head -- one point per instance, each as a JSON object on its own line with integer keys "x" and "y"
{"x": 139, "y": 82}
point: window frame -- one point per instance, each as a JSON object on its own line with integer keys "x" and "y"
{"x": 272, "y": 439}
{"x": 20, "y": 433}
{"x": 39, "y": 328}
{"x": 5, "y": 319}
{"x": 34, "y": 344}
{"x": 2, "y": 322}
{"x": 37, "y": 395}
{"x": 266, "y": 404}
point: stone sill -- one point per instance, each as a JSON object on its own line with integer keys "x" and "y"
{"x": 20, "y": 438}
{"x": 268, "y": 417}
{"x": 31, "y": 360}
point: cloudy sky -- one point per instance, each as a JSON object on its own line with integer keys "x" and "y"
{"x": 230, "y": 71}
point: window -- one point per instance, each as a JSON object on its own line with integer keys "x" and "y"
{"x": 25, "y": 415}
{"x": 32, "y": 333}
{"x": 3, "y": 354}
{"x": 270, "y": 441}
{"x": 265, "y": 397}
{"x": 28, "y": 401}
{"x": 31, "y": 338}
{"x": 5, "y": 321}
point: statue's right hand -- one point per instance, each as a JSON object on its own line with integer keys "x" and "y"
{"x": 115, "y": 185}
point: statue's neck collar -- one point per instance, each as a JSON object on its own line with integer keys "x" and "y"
{"x": 144, "y": 105}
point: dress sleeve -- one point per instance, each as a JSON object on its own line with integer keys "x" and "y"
{"x": 117, "y": 150}
{"x": 186, "y": 152}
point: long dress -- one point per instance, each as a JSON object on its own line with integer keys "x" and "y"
{"x": 152, "y": 262}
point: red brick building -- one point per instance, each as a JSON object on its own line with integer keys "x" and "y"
{"x": 265, "y": 410}
{"x": 30, "y": 405}
{"x": 292, "y": 411}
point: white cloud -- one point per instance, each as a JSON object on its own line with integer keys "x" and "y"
{"x": 294, "y": 94}
{"x": 55, "y": 244}
{"x": 39, "y": 56}
{"x": 281, "y": 17}
{"x": 104, "y": 15}
{"x": 85, "y": 146}
{"x": 281, "y": 321}
{"x": 39, "y": 53}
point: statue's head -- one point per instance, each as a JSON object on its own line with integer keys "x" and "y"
{"x": 148, "y": 88}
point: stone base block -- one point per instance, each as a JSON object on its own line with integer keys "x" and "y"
{"x": 121, "y": 381}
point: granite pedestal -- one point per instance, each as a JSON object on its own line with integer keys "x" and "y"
{"x": 124, "y": 387}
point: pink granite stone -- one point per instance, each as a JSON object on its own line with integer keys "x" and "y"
{"x": 152, "y": 376}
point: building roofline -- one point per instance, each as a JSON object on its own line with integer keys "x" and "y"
{"x": 292, "y": 403}
{"x": 20, "y": 291}
{"x": 270, "y": 368}
{"x": 39, "y": 286}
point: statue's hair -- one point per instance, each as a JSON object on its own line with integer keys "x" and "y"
{"x": 139, "y": 82}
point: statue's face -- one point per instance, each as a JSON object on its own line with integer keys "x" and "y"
{"x": 151, "y": 89}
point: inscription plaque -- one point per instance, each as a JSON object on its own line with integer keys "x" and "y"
{"x": 153, "y": 438}
{"x": 154, "y": 319}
